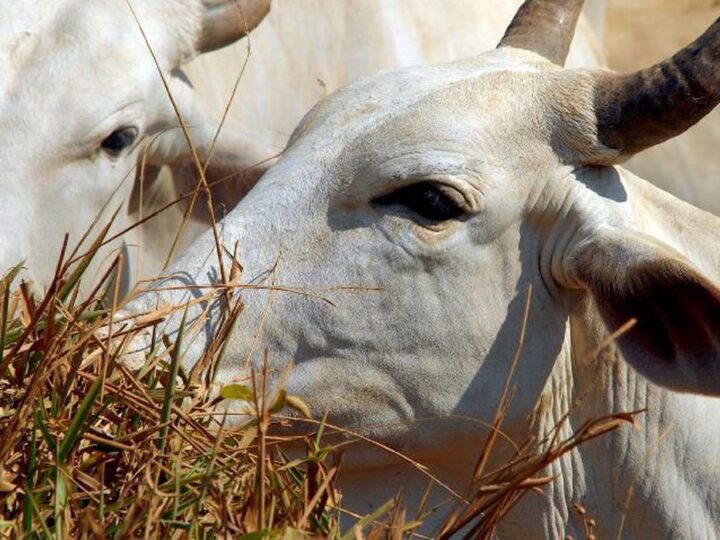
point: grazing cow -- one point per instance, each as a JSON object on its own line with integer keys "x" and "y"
{"x": 79, "y": 94}
{"x": 455, "y": 188}
{"x": 336, "y": 42}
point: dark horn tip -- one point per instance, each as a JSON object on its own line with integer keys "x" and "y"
{"x": 638, "y": 110}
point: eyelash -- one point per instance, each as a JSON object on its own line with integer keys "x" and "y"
{"x": 426, "y": 199}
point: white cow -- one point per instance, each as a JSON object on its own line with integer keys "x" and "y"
{"x": 455, "y": 188}
{"x": 300, "y": 43}
{"x": 79, "y": 92}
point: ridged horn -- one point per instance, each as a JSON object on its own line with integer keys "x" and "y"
{"x": 226, "y": 21}
{"x": 639, "y": 110}
{"x": 546, "y": 27}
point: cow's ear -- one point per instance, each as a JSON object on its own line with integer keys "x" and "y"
{"x": 676, "y": 339}
{"x": 233, "y": 162}
{"x": 186, "y": 133}
{"x": 232, "y": 165}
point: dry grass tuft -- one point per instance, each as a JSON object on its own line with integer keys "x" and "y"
{"x": 90, "y": 449}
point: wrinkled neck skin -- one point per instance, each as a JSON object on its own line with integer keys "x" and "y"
{"x": 657, "y": 481}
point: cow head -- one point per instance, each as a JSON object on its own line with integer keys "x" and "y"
{"x": 81, "y": 97}
{"x": 425, "y": 203}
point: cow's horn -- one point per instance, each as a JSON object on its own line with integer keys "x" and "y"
{"x": 638, "y": 110}
{"x": 545, "y": 27}
{"x": 226, "y": 21}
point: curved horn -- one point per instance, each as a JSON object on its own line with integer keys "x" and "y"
{"x": 226, "y": 21}
{"x": 642, "y": 109}
{"x": 545, "y": 27}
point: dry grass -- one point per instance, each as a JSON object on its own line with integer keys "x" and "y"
{"x": 90, "y": 449}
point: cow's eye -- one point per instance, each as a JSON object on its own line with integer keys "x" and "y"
{"x": 119, "y": 140}
{"x": 430, "y": 200}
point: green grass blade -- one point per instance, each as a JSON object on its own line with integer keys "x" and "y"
{"x": 30, "y": 485}
{"x": 11, "y": 274}
{"x": 101, "y": 502}
{"x": 172, "y": 376}
{"x": 39, "y": 516}
{"x": 320, "y": 432}
{"x": 237, "y": 391}
{"x": 11, "y": 336}
{"x": 60, "y": 501}
{"x": 41, "y": 423}
{"x": 76, "y": 426}
{"x": 5, "y": 291}
{"x": 3, "y": 317}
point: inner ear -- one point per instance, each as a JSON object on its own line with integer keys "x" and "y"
{"x": 676, "y": 311}
{"x": 675, "y": 341}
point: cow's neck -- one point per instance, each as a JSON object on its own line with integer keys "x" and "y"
{"x": 651, "y": 482}
{"x": 655, "y": 481}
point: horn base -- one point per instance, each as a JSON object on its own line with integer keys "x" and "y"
{"x": 546, "y": 27}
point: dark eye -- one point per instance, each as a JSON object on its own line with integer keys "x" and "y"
{"x": 427, "y": 199}
{"x": 119, "y": 140}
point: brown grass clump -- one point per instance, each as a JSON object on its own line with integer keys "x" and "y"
{"x": 90, "y": 449}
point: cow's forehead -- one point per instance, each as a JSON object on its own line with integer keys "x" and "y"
{"x": 49, "y": 37}
{"x": 413, "y": 102}
{"x": 19, "y": 26}
{"x": 83, "y": 59}
{"x": 27, "y": 16}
